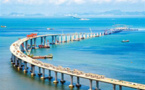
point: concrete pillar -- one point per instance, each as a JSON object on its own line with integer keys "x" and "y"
{"x": 39, "y": 69}
{"x": 26, "y": 45}
{"x": 78, "y": 82}
{"x": 90, "y": 34}
{"x": 63, "y": 38}
{"x": 20, "y": 65}
{"x": 87, "y": 35}
{"x": 34, "y": 42}
{"x": 55, "y": 39}
{"x": 52, "y": 39}
{"x": 33, "y": 70}
{"x": 41, "y": 40}
{"x": 97, "y": 35}
{"x": 76, "y": 37}
{"x": 97, "y": 85}
{"x": 49, "y": 74}
{"x": 12, "y": 58}
{"x": 67, "y": 38}
{"x": 55, "y": 81}
{"x": 60, "y": 39}
{"x": 62, "y": 78}
{"x": 16, "y": 62}
{"x": 31, "y": 43}
{"x": 100, "y": 34}
{"x": 72, "y": 37}
{"x": 43, "y": 74}
{"x": 45, "y": 41}
{"x": 90, "y": 85}
{"x": 71, "y": 83}
{"x": 25, "y": 68}
{"x": 120, "y": 87}
{"x": 84, "y": 36}
{"x": 114, "y": 87}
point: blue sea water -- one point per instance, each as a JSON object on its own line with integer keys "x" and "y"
{"x": 104, "y": 55}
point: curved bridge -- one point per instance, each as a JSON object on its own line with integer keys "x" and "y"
{"x": 20, "y": 59}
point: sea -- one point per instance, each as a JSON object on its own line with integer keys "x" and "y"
{"x": 105, "y": 55}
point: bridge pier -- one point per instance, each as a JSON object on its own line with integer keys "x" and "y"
{"x": 90, "y": 85}
{"x": 39, "y": 69}
{"x": 63, "y": 39}
{"x": 33, "y": 70}
{"x": 62, "y": 78}
{"x": 97, "y": 85}
{"x": 52, "y": 40}
{"x": 120, "y": 87}
{"x": 71, "y": 84}
{"x": 25, "y": 68}
{"x": 20, "y": 65}
{"x": 87, "y": 35}
{"x": 34, "y": 43}
{"x": 41, "y": 40}
{"x": 56, "y": 40}
{"x": 12, "y": 58}
{"x": 90, "y": 35}
{"x": 114, "y": 87}
{"x": 55, "y": 81}
{"x": 100, "y": 34}
{"x": 31, "y": 42}
{"x": 16, "y": 62}
{"x": 44, "y": 40}
{"x": 60, "y": 39}
{"x": 49, "y": 75}
{"x": 43, "y": 74}
{"x": 72, "y": 37}
{"x": 78, "y": 82}
{"x": 26, "y": 45}
{"x": 84, "y": 36}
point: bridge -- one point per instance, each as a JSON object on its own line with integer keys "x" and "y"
{"x": 20, "y": 60}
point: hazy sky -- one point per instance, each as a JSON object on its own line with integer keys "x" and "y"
{"x": 64, "y": 7}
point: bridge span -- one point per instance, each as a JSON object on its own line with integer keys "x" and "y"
{"x": 20, "y": 60}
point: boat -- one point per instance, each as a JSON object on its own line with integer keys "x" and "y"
{"x": 125, "y": 41}
{"x": 50, "y": 28}
{"x": 3, "y": 26}
{"x": 84, "y": 19}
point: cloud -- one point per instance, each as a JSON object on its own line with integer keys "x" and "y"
{"x": 59, "y": 2}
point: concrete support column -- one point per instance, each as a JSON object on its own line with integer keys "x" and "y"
{"x": 97, "y": 35}
{"x": 43, "y": 74}
{"x": 67, "y": 38}
{"x": 60, "y": 39}
{"x": 49, "y": 74}
{"x": 84, "y": 36}
{"x": 62, "y": 78}
{"x": 76, "y": 36}
{"x": 39, "y": 69}
{"x": 26, "y": 45}
{"x": 63, "y": 38}
{"x": 34, "y": 42}
{"x": 87, "y": 35}
{"x": 52, "y": 39}
{"x": 45, "y": 41}
{"x": 25, "y": 68}
{"x": 55, "y": 81}
{"x": 20, "y": 64}
{"x": 12, "y": 58}
{"x": 33, "y": 70}
{"x": 114, "y": 87}
{"x": 90, "y": 34}
{"x": 78, "y": 82}
{"x": 120, "y": 87}
{"x": 55, "y": 39}
{"x": 90, "y": 85}
{"x": 16, "y": 62}
{"x": 97, "y": 85}
{"x": 100, "y": 34}
{"x": 72, "y": 37}
{"x": 31, "y": 42}
{"x": 41, "y": 40}
{"x": 71, "y": 83}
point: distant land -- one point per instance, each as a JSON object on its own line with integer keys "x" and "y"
{"x": 111, "y": 13}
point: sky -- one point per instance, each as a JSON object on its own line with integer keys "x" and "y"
{"x": 62, "y": 8}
